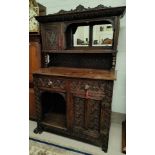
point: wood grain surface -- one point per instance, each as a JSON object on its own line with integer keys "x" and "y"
{"x": 78, "y": 73}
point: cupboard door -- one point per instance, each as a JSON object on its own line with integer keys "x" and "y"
{"x": 86, "y": 117}
{"x": 52, "y": 37}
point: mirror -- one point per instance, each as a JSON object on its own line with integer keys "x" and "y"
{"x": 102, "y": 35}
{"x": 81, "y": 36}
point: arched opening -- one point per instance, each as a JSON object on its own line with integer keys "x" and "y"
{"x": 54, "y": 108}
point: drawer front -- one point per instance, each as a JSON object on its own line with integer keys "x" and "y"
{"x": 88, "y": 89}
{"x": 50, "y": 82}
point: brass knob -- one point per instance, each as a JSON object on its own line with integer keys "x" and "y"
{"x": 50, "y": 83}
{"x": 86, "y": 87}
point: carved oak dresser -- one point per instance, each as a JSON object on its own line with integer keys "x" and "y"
{"x": 73, "y": 89}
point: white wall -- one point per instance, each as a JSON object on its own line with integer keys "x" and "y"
{"x": 119, "y": 94}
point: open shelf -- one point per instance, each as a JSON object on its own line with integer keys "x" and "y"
{"x": 81, "y": 50}
{"x": 55, "y": 119}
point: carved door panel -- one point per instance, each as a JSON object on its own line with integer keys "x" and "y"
{"x": 52, "y": 37}
{"x": 86, "y": 116}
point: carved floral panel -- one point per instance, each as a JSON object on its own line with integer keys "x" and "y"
{"x": 79, "y": 111}
{"x": 51, "y": 35}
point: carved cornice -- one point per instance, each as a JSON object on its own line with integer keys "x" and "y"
{"x": 81, "y": 8}
{"x": 81, "y": 12}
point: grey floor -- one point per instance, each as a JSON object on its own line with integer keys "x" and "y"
{"x": 114, "y": 140}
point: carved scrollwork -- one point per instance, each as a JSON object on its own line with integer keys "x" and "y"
{"x": 37, "y": 101}
{"x": 80, "y": 85}
{"x": 81, "y": 8}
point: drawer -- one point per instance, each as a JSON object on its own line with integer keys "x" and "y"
{"x": 89, "y": 95}
{"x": 89, "y": 88}
{"x": 50, "y": 82}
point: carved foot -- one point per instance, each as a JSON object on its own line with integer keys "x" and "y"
{"x": 104, "y": 148}
{"x": 38, "y": 130}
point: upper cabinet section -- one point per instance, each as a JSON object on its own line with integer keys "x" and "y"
{"x": 83, "y": 30}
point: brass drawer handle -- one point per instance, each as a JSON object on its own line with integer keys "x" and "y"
{"x": 50, "y": 83}
{"x": 86, "y": 87}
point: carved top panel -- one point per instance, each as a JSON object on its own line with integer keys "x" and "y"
{"x": 83, "y": 13}
{"x": 81, "y": 8}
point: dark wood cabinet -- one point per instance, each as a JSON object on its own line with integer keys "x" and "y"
{"x": 73, "y": 92}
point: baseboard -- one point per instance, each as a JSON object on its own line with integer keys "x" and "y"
{"x": 32, "y": 119}
{"x": 117, "y": 117}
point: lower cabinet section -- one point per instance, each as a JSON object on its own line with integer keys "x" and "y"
{"x": 81, "y": 112}
{"x": 32, "y": 105}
